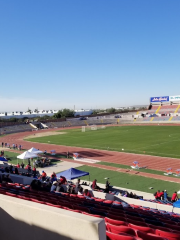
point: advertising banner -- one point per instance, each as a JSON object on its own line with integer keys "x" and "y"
{"x": 174, "y": 98}
{"x": 160, "y": 99}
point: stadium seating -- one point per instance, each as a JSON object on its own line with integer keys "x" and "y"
{"x": 122, "y": 220}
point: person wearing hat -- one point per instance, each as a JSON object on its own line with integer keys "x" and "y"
{"x": 44, "y": 175}
{"x": 53, "y": 187}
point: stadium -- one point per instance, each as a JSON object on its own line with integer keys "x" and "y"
{"x": 132, "y": 156}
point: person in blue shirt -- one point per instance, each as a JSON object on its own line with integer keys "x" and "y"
{"x": 53, "y": 178}
{"x": 165, "y": 195}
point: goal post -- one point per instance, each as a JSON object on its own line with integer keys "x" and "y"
{"x": 92, "y": 128}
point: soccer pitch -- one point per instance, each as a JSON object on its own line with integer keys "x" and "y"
{"x": 149, "y": 140}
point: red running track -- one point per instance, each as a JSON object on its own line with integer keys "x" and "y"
{"x": 151, "y": 162}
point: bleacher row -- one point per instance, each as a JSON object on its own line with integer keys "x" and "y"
{"x": 164, "y": 118}
{"x": 164, "y": 109}
{"x": 123, "y": 221}
{"x": 16, "y": 128}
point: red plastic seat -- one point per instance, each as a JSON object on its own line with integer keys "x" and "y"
{"x": 174, "y": 235}
{"x": 73, "y": 195}
{"x": 134, "y": 218}
{"x": 139, "y": 223}
{"x": 52, "y": 205}
{"x": 116, "y": 202}
{"x": 80, "y": 208}
{"x": 141, "y": 228}
{"x": 120, "y": 229}
{"x": 115, "y": 222}
{"x": 108, "y": 201}
{"x": 160, "y": 228}
{"x": 11, "y": 194}
{"x": 92, "y": 215}
{"x": 113, "y": 236}
{"x": 98, "y": 200}
{"x": 112, "y": 216}
{"x": 68, "y": 205}
{"x": 149, "y": 236}
{"x": 77, "y": 211}
{"x": 81, "y": 197}
{"x": 173, "y": 227}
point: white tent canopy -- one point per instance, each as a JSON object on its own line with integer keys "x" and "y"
{"x": 27, "y": 155}
{"x": 34, "y": 150}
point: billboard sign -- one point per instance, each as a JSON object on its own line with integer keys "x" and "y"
{"x": 174, "y": 98}
{"x": 159, "y": 99}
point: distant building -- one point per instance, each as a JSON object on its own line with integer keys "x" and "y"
{"x": 18, "y": 114}
{"x": 82, "y": 112}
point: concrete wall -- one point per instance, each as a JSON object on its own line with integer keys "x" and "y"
{"x": 21, "y": 219}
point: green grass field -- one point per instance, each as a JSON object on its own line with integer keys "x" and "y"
{"x": 129, "y": 181}
{"x": 151, "y": 140}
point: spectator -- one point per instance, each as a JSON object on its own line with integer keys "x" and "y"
{"x": 53, "y": 174}
{"x": 80, "y": 192}
{"x": 22, "y": 165}
{"x": 35, "y": 185}
{"x": 43, "y": 176}
{"x": 8, "y": 179}
{"x": 34, "y": 171}
{"x": 94, "y": 185}
{"x": 59, "y": 188}
{"x": 158, "y": 195}
{"x": 63, "y": 180}
{"x": 11, "y": 168}
{"x": 48, "y": 185}
{"x": 34, "y": 164}
{"x": 53, "y": 187}
{"x": 18, "y": 166}
{"x": 131, "y": 195}
{"x": 125, "y": 194}
{"x": 16, "y": 171}
{"x": 53, "y": 178}
{"x": 106, "y": 189}
{"x": 107, "y": 185}
{"x": 87, "y": 193}
{"x": 29, "y": 163}
{"x": 165, "y": 195}
{"x": 174, "y": 197}
{"x": 77, "y": 187}
{"x": 162, "y": 195}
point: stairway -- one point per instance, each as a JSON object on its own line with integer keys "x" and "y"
{"x": 174, "y": 112}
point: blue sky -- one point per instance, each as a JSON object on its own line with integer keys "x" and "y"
{"x": 91, "y": 54}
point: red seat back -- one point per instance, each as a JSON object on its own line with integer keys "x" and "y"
{"x": 168, "y": 234}
{"x": 115, "y": 222}
{"x": 149, "y": 236}
{"x": 141, "y": 228}
{"x": 120, "y": 229}
{"x": 113, "y": 236}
